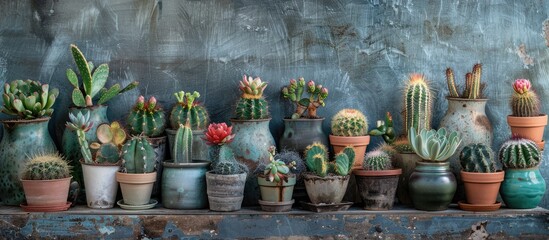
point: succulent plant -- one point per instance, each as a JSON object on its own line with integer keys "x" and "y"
{"x": 183, "y": 144}
{"x": 417, "y": 104}
{"x": 105, "y": 152}
{"x": 524, "y": 102}
{"x": 477, "y": 158}
{"x": 93, "y": 81}
{"x": 220, "y": 154}
{"x": 188, "y": 109}
{"x": 288, "y": 157}
{"x": 519, "y": 153}
{"x": 46, "y": 167}
{"x": 218, "y": 134}
{"x": 473, "y": 87}
{"x": 349, "y": 123}
{"x": 377, "y": 161}
{"x": 277, "y": 170}
{"x": 434, "y": 146}
{"x": 317, "y": 161}
{"x": 402, "y": 145}
{"x": 385, "y": 129}
{"x": 251, "y": 104}
{"x": 294, "y": 92}
{"x": 147, "y": 118}
{"x": 111, "y": 133}
{"x": 138, "y": 156}
{"x": 81, "y": 124}
{"x": 28, "y": 99}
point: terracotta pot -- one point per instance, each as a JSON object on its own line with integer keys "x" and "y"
{"x": 482, "y": 188}
{"x": 136, "y": 187}
{"x": 328, "y": 190}
{"x": 359, "y": 143}
{"x": 377, "y": 188}
{"x": 528, "y": 127}
{"x": 46, "y": 192}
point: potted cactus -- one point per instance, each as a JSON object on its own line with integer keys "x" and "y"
{"x": 188, "y": 109}
{"x": 377, "y": 181}
{"x": 137, "y": 174}
{"x": 304, "y": 126}
{"x": 526, "y": 120}
{"x": 432, "y": 185}
{"x": 385, "y": 129}
{"x": 326, "y": 182}
{"x": 46, "y": 180}
{"x": 89, "y": 95}
{"x": 31, "y": 102}
{"x": 350, "y": 128}
{"x": 252, "y": 134}
{"x": 480, "y": 177}
{"x": 226, "y": 181}
{"x": 523, "y": 186}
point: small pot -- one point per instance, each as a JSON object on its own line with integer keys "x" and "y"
{"x": 276, "y": 191}
{"x": 522, "y": 188}
{"x": 377, "y": 188}
{"x": 225, "y": 192}
{"x": 136, "y": 187}
{"x": 359, "y": 143}
{"x": 328, "y": 190}
{"x": 184, "y": 185}
{"x": 482, "y": 188}
{"x": 44, "y": 193}
{"x": 432, "y": 186}
{"x": 100, "y": 184}
{"x": 529, "y": 127}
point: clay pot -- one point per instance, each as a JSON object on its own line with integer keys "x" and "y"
{"x": 46, "y": 193}
{"x": 328, "y": 190}
{"x": 529, "y": 127}
{"x": 359, "y": 143}
{"x": 482, "y": 188}
{"x": 100, "y": 184}
{"x": 377, "y": 188}
{"x": 136, "y": 187}
{"x": 225, "y": 192}
{"x": 184, "y": 185}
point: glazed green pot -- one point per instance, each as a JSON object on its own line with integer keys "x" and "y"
{"x": 276, "y": 191}
{"x": 522, "y": 188}
{"x": 22, "y": 139}
{"x": 432, "y": 186}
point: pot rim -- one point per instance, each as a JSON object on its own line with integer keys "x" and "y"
{"x": 49, "y": 180}
{"x": 355, "y": 140}
{"x": 232, "y": 175}
{"x": 523, "y": 169}
{"x": 136, "y": 178}
{"x": 467, "y": 99}
{"x": 250, "y": 120}
{"x": 195, "y": 164}
{"x": 26, "y": 121}
{"x": 378, "y": 173}
{"x": 308, "y": 176}
{"x": 536, "y": 121}
{"x": 476, "y": 177}
{"x": 118, "y": 164}
{"x": 288, "y": 119}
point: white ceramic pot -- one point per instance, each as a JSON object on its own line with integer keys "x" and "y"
{"x": 100, "y": 184}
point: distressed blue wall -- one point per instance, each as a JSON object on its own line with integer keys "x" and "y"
{"x": 362, "y": 51}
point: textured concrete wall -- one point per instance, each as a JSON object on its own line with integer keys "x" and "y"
{"x": 361, "y": 50}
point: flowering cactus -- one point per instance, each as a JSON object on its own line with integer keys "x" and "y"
{"x": 147, "y": 118}
{"x": 251, "y": 104}
{"x": 188, "y": 109}
{"x": 524, "y": 102}
{"x": 221, "y": 155}
{"x": 218, "y": 134}
{"x": 317, "y": 94}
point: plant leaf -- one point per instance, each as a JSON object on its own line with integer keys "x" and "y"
{"x": 73, "y": 79}
{"x": 83, "y": 67}
{"x": 112, "y": 92}
{"x": 99, "y": 77}
{"x": 78, "y": 98}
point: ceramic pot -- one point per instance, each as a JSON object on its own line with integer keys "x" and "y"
{"x": 529, "y": 127}
{"x": 300, "y": 133}
{"x": 522, "y": 188}
{"x": 225, "y": 192}
{"x": 328, "y": 190}
{"x": 276, "y": 191}
{"x": 136, "y": 187}
{"x": 407, "y": 163}
{"x": 250, "y": 146}
{"x": 22, "y": 139}
{"x": 100, "y": 184}
{"x": 199, "y": 148}
{"x": 482, "y": 188}
{"x": 359, "y": 143}
{"x": 432, "y": 186}
{"x": 468, "y": 117}
{"x": 159, "y": 146}
{"x": 45, "y": 193}
{"x": 184, "y": 185}
{"x": 377, "y": 188}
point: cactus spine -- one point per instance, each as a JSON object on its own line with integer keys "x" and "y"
{"x": 183, "y": 144}
{"x": 138, "y": 156}
{"x": 187, "y": 109}
{"x": 317, "y": 161}
{"x": 417, "y": 104}
{"x": 473, "y": 86}
{"x": 377, "y": 161}
{"x": 524, "y": 102}
{"x": 349, "y": 123}
{"x": 477, "y": 158}
{"x": 46, "y": 167}
{"x": 251, "y": 104}
{"x": 147, "y": 118}
{"x": 519, "y": 153}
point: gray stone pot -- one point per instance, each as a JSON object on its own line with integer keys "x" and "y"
{"x": 225, "y": 192}
{"x": 184, "y": 185}
{"x": 377, "y": 188}
{"x": 300, "y": 133}
{"x": 328, "y": 190}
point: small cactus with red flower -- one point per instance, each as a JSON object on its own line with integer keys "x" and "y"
{"x": 221, "y": 155}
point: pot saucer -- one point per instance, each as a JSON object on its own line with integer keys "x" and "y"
{"x": 42, "y": 208}
{"x": 322, "y": 207}
{"x": 150, "y": 205}
{"x": 276, "y": 206}
{"x": 479, "y": 207}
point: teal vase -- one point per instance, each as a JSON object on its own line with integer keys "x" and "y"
{"x": 522, "y": 188}
{"x": 432, "y": 186}
{"x": 22, "y": 139}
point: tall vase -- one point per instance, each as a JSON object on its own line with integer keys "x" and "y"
{"x": 22, "y": 139}
{"x": 250, "y": 145}
{"x": 300, "y": 133}
{"x": 432, "y": 186}
{"x": 468, "y": 117}
{"x": 71, "y": 148}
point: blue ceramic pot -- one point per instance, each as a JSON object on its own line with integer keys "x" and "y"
{"x": 522, "y": 188}
{"x": 300, "y": 133}
{"x": 184, "y": 185}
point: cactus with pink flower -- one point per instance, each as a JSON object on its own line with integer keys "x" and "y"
{"x": 252, "y": 104}
{"x": 147, "y": 118}
{"x": 524, "y": 102}
{"x": 305, "y": 107}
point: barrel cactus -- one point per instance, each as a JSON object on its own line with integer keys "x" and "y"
{"x": 147, "y": 118}
{"x": 252, "y": 104}
{"x": 28, "y": 99}
{"x": 519, "y": 153}
{"x": 183, "y": 144}
{"x": 294, "y": 92}
{"x": 477, "y": 158}
{"x": 473, "y": 87}
{"x": 524, "y": 102}
{"x": 188, "y": 109}
{"x": 377, "y": 161}
{"x": 46, "y": 167}
{"x": 138, "y": 156}
{"x": 317, "y": 161}
{"x": 349, "y": 123}
{"x": 417, "y": 104}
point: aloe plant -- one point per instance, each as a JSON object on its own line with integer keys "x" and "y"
{"x": 434, "y": 146}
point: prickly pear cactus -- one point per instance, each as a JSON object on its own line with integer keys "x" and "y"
{"x": 147, "y": 118}
{"x": 477, "y": 158}
{"x": 46, "y": 167}
{"x": 349, "y": 123}
{"x": 138, "y": 156}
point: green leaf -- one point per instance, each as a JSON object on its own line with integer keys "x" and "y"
{"x": 29, "y": 102}
{"x": 7, "y": 102}
{"x": 73, "y": 79}
{"x": 83, "y": 67}
{"x": 99, "y": 79}
{"x": 112, "y": 92}
{"x": 78, "y": 98}
{"x": 90, "y": 66}
{"x": 50, "y": 101}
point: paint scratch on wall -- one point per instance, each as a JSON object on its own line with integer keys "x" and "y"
{"x": 527, "y": 60}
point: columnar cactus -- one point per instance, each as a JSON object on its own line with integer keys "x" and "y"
{"x": 294, "y": 92}
{"x": 524, "y": 102}
{"x": 477, "y": 158}
{"x": 183, "y": 144}
{"x": 28, "y": 99}
{"x": 138, "y": 156}
{"x": 93, "y": 81}
{"x": 473, "y": 86}
{"x": 519, "y": 153}
{"x": 251, "y": 104}
{"x": 187, "y": 109}
{"x": 417, "y": 104}
{"x": 377, "y": 161}
{"x": 81, "y": 124}
{"x": 147, "y": 118}
{"x": 349, "y": 123}
{"x": 385, "y": 129}
{"x": 221, "y": 155}
{"x": 317, "y": 161}
{"x": 46, "y": 167}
